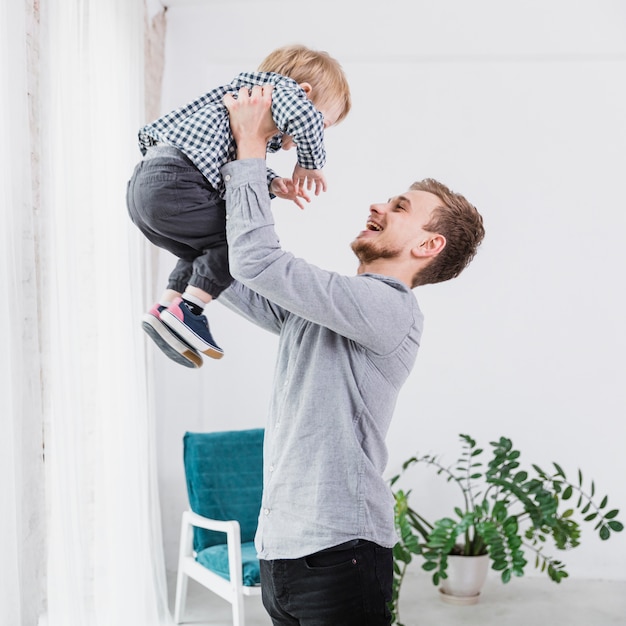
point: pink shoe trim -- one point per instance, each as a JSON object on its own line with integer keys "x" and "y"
{"x": 175, "y": 309}
{"x": 154, "y": 311}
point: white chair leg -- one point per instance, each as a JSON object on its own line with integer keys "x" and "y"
{"x": 181, "y": 596}
{"x": 238, "y": 611}
{"x": 185, "y": 550}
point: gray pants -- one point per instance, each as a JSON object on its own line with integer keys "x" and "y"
{"x": 177, "y": 209}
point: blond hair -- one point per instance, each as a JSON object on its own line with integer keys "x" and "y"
{"x": 316, "y": 67}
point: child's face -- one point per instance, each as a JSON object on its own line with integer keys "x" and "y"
{"x": 331, "y": 112}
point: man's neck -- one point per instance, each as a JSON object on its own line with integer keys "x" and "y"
{"x": 389, "y": 267}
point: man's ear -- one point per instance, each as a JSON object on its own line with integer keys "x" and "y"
{"x": 430, "y": 247}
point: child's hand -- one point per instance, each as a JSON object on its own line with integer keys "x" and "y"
{"x": 286, "y": 189}
{"x": 309, "y": 178}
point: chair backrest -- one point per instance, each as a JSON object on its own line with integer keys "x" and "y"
{"x": 224, "y": 474}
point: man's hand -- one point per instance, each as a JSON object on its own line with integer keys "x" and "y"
{"x": 251, "y": 120}
{"x": 309, "y": 178}
{"x": 286, "y": 189}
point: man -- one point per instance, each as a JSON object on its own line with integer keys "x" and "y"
{"x": 346, "y": 346}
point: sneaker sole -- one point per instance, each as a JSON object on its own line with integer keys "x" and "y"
{"x": 169, "y": 344}
{"x": 174, "y": 324}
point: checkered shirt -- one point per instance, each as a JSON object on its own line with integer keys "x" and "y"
{"x": 201, "y": 129}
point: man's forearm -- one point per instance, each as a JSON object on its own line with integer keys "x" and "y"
{"x": 251, "y": 148}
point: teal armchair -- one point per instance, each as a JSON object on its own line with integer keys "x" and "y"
{"x": 224, "y": 475}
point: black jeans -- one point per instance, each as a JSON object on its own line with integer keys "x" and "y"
{"x": 350, "y": 586}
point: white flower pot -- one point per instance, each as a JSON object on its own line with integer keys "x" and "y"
{"x": 466, "y": 577}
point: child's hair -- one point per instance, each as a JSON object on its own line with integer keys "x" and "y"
{"x": 315, "y": 67}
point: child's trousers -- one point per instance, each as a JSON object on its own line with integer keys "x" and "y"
{"x": 177, "y": 209}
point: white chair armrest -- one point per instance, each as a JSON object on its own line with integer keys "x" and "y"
{"x": 224, "y": 526}
{"x": 233, "y": 541}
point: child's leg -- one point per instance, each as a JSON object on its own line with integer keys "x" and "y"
{"x": 176, "y": 208}
{"x": 185, "y": 317}
{"x": 197, "y": 298}
{"x": 168, "y": 296}
{"x": 169, "y": 342}
{"x": 209, "y": 278}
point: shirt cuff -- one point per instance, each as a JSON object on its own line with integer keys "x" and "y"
{"x": 244, "y": 172}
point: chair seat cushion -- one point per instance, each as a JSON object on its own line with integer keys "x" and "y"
{"x": 215, "y": 558}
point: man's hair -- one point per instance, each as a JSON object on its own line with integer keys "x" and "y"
{"x": 316, "y": 67}
{"x": 462, "y": 226}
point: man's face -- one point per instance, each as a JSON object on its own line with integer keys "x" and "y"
{"x": 395, "y": 227}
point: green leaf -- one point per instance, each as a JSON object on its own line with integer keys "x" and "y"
{"x": 611, "y": 514}
{"x": 580, "y": 478}
{"x": 559, "y": 471}
{"x": 604, "y": 502}
{"x": 605, "y": 533}
{"x": 591, "y": 516}
{"x": 616, "y": 526}
{"x": 567, "y": 494}
{"x": 520, "y": 477}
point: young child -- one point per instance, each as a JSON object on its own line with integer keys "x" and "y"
{"x": 175, "y": 195}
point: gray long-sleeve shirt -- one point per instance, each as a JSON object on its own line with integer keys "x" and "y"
{"x": 346, "y": 346}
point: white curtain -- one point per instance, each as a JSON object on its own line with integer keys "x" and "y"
{"x": 105, "y": 557}
{"x": 22, "y": 518}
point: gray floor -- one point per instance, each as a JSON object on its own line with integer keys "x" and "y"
{"x": 528, "y": 601}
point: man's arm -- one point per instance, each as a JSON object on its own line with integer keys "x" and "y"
{"x": 375, "y": 312}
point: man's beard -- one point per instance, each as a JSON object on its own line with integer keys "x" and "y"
{"x": 367, "y": 251}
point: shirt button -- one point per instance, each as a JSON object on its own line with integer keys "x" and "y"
{"x": 266, "y": 511}
{"x": 271, "y": 468}
{"x": 227, "y": 177}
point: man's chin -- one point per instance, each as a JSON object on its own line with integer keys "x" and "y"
{"x": 367, "y": 251}
{"x": 364, "y": 250}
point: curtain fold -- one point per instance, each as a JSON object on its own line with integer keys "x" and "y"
{"x": 22, "y": 523}
{"x": 105, "y": 557}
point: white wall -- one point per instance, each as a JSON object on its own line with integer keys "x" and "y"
{"x": 519, "y": 107}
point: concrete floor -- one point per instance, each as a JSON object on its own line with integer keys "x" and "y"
{"x": 528, "y": 601}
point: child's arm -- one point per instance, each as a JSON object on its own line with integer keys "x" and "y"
{"x": 286, "y": 189}
{"x": 313, "y": 180}
{"x": 296, "y": 116}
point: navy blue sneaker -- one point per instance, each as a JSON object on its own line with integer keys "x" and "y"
{"x": 193, "y": 329}
{"x": 167, "y": 340}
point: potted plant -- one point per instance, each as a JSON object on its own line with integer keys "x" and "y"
{"x": 506, "y": 510}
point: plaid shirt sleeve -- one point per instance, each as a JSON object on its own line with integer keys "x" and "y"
{"x": 295, "y": 115}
